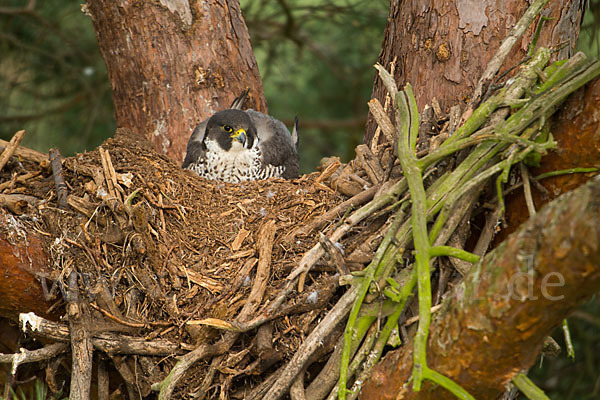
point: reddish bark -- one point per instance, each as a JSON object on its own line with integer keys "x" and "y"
{"x": 22, "y": 261}
{"x": 494, "y": 323}
{"x": 174, "y": 63}
{"x": 442, "y": 48}
{"x": 575, "y": 127}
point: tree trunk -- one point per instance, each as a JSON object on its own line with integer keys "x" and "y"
{"x": 442, "y": 48}
{"x": 174, "y": 63}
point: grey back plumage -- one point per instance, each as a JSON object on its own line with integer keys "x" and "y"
{"x": 276, "y": 143}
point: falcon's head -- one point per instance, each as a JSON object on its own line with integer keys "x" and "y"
{"x": 231, "y": 130}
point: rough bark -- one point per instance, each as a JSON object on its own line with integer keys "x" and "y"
{"x": 441, "y": 48}
{"x": 173, "y": 63}
{"x": 493, "y": 325}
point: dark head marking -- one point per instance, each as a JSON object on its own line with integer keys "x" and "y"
{"x": 228, "y": 125}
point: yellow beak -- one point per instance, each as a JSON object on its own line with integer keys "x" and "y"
{"x": 240, "y": 136}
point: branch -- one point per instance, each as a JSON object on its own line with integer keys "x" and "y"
{"x": 107, "y": 342}
{"x": 559, "y": 250}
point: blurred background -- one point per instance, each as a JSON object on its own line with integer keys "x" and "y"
{"x": 315, "y": 58}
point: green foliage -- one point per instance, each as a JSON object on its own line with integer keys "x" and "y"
{"x": 589, "y": 37}
{"x": 38, "y": 391}
{"x": 52, "y": 78}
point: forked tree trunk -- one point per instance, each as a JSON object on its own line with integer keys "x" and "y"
{"x": 173, "y": 63}
{"x": 442, "y": 47}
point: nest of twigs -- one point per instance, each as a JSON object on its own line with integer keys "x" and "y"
{"x": 156, "y": 253}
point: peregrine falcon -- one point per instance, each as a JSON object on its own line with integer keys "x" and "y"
{"x": 236, "y": 146}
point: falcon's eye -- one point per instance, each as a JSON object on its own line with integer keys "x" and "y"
{"x": 227, "y": 128}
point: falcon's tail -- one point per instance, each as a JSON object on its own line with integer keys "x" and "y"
{"x": 295, "y": 137}
{"x": 238, "y": 102}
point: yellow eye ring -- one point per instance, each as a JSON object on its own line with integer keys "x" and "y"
{"x": 227, "y": 128}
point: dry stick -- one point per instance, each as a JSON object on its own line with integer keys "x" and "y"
{"x": 488, "y": 232}
{"x": 497, "y": 60}
{"x": 26, "y": 153}
{"x": 266, "y": 237}
{"x": 59, "y": 178}
{"x": 17, "y": 203}
{"x": 331, "y": 168}
{"x": 81, "y": 344}
{"x": 312, "y": 342}
{"x": 201, "y": 393}
{"x": 127, "y": 375}
{"x": 19, "y": 179}
{"x": 527, "y": 189}
{"x": 109, "y": 174}
{"x": 10, "y": 149}
{"x": 106, "y": 342}
{"x": 334, "y": 253}
{"x": 370, "y": 164}
{"x": 383, "y": 121}
{"x": 28, "y": 356}
{"x": 103, "y": 380}
{"x": 317, "y": 223}
{"x": 297, "y": 388}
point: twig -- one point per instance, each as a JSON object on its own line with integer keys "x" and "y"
{"x": 110, "y": 176}
{"x": 334, "y": 253}
{"x": 317, "y": 223}
{"x": 266, "y": 235}
{"x": 117, "y": 319}
{"x": 167, "y": 385}
{"x": 488, "y": 232}
{"x": 383, "y": 121}
{"x": 123, "y": 368}
{"x": 17, "y": 203}
{"x": 19, "y": 179}
{"x": 407, "y": 137}
{"x": 103, "y": 380}
{"x": 327, "y": 172}
{"x": 26, "y": 153}
{"x": 312, "y": 342}
{"x": 568, "y": 341}
{"x": 25, "y": 356}
{"x": 59, "y": 178}
{"x": 297, "y": 388}
{"x": 527, "y": 189}
{"x": 359, "y": 357}
{"x": 528, "y": 388}
{"x": 497, "y": 60}
{"x": 106, "y": 342}
{"x": 81, "y": 344}
{"x": 370, "y": 164}
{"x": 10, "y": 149}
